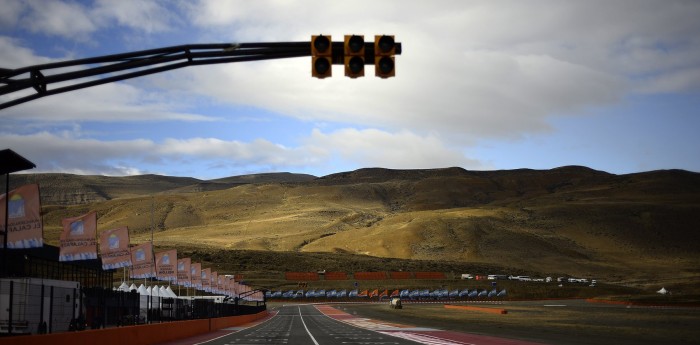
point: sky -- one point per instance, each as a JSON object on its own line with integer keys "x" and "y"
{"x": 482, "y": 85}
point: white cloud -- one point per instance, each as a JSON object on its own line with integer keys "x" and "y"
{"x": 402, "y": 150}
{"x": 236, "y": 153}
{"x": 58, "y": 18}
{"x": 462, "y": 95}
{"x": 14, "y": 55}
{"x": 11, "y": 11}
{"x": 115, "y": 102}
{"x": 146, "y": 16}
{"x": 74, "y": 151}
{"x": 77, "y": 21}
{"x": 69, "y": 152}
{"x": 470, "y": 71}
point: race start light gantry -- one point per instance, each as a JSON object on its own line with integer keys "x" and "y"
{"x": 24, "y": 84}
{"x": 354, "y": 53}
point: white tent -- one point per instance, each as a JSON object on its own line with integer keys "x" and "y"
{"x": 163, "y": 292}
{"x": 155, "y": 291}
{"x": 663, "y": 291}
{"x": 170, "y": 292}
{"x": 124, "y": 287}
{"x": 132, "y": 287}
{"x": 142, "y": 290}
{"x": 148, "y": 290}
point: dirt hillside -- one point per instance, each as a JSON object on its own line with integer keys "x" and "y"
{"x": 639, "y": 229}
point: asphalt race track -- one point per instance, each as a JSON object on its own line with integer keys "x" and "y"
{"x": 305, "y": 325}
{"x": 325, "y": 325}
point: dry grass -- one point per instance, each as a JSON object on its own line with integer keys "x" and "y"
{"x": 636, "y": 229}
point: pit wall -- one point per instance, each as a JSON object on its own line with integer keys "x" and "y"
{"x": 135, "y": 335}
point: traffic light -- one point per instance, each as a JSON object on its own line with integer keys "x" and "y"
{"x": 384, "y": 51}
{"x": 354, "y": 56}
{"x": 321, "y": 56}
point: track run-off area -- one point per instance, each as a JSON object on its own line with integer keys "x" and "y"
{"x": 326, "y": 325}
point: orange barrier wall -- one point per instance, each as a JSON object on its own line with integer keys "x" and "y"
{"x": 134, "y": 335}
{"x": 301, "y": 276}
{"x": 400, "y": 275}
{"x": 223, "y": 322}
{"x": 430, "y": 275}
{"x": 369, "y": 275}
{"x": 481, "y": 309}
{"x": 336, "y": 276}
{"x": 594, "y": 300}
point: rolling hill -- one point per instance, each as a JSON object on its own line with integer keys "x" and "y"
{"x": 637, "y": 229}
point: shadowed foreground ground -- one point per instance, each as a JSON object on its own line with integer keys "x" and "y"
{"x": 553, "y": 322}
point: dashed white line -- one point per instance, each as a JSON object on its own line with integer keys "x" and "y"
{"x": 424, "y": 339}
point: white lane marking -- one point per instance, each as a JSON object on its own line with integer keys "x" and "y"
{"x": 238, "y": 329}
{"x": 555, "y": 305}
{"x": 307, "y": 328}
{"x": 424, "y": 339}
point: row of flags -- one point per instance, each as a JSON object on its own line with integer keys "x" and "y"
{"x": 78, "y": 241}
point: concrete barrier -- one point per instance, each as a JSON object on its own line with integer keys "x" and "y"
{"x": 135, "y": 335}
{"x": 224, "y": 322}
{"x": 480, "y": 309}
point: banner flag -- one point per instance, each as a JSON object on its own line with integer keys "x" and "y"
{"x": 206, "y": 273}
{"x": 166, "y": 265}
{"x": 79, "y": 238}
{"x": 222, "y": 284}
{"x": 196, "y": 275}
{"x": 183, "y": 272}
{"x": 142, "y": 260}
{"x": 214, "y": 282}
{"x": 232, "y": 287}
{"x": 23, "y": 218}
{"x": 114, "y": 248}
{"x": 227, "y": 285}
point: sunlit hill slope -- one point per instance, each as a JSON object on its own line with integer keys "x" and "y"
{"x": 571, "y": 220}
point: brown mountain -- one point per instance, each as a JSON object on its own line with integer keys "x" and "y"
{"x": 637, "y": 229}
{"x": 69, "y": 189}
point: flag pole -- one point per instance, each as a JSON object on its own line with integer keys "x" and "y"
{"x": 6, "y": 231}
{"x": 153, "y": 253}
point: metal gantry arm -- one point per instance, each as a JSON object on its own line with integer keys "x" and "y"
{"x": 83, "y": 73}
{"x": 111, "y": 68}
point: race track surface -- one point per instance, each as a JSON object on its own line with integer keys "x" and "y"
{"x": 325, "y": 325}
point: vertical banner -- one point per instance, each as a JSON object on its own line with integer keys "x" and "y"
{"x": 79, "y": 238}
{"x": 214, "y": 283}
{"x": 222, "y": 284}
{"x": 206, "y": 273}
{"x": 114, "y": 248}
{"x": 230, "y": 289}
{"x": 142, "y": 260}
{"x": 23, "y": 218}
{"x": 183, "y": 272}
{"x": 196, "y": 275}
{"x": 166, "y": 265}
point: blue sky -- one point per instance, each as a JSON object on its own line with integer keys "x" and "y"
{"x": 483, "y": 85}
